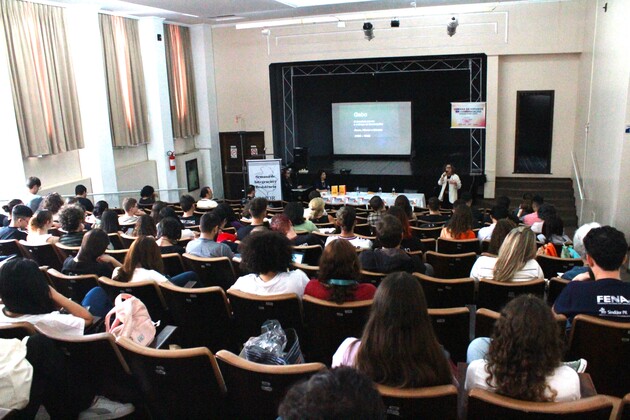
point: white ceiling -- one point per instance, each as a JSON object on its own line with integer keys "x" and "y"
{"x": 208, "y": 11}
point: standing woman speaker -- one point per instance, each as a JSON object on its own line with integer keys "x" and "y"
{"x": 450, "y": 183}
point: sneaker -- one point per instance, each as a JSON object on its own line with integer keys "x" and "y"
{"x": 104, "y": 409}
{"x": 577, "y": 365}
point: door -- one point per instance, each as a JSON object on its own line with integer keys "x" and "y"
{"x": 534, "y": 132}
{"x": 236, "y": 148}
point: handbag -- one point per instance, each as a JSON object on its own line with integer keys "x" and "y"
{"x": 132, "y": 320}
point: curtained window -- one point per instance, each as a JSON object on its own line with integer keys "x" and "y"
{"x": 180, "y": 81}
{"x": 125, "y": 81}
{"x": 42, "y": 78}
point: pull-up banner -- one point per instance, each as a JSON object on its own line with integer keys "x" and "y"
{"x": 265, "y": 176}
{"x": 468, "y": 115}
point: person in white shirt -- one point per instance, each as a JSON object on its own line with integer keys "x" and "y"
{"x": 496, "y": 213}
{"x": 346, "y": 220}
{"x": 267, "y": 255}
{"x": 132, "y": 212}
{"x": 516, "y": 260}
{"x": 524, "y": 359}
{"x": 38, "y": 228}
{"x": 205, "y": 199}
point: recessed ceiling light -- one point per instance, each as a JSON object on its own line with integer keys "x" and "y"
{"x": 309, "y": 3}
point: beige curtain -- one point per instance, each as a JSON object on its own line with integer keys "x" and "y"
{"x": 181, "y": 82}
{"x": 42, "y": 78}
{"x": 125, "y": 81}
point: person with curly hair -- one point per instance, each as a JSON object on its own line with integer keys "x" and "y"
{"x": 339, "y": 270}
{"x": 53, "y": 202}
{"x": 524, "y": 356}
{"x": 397, "y": 349}
{"x": 71, "y": 219}
{"x": 460, "y": 225}
{"x": 147, "y": 196}
{"x": 267, "y": 256}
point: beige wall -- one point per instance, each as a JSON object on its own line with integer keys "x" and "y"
{"x": 54, "y": 170}
{"x": 557, "y": 72}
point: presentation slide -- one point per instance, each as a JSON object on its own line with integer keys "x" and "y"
{"x": 372, "y": 128}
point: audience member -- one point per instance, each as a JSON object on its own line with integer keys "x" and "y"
{"x": 341, "y": 393}
{"x": 205, "y": 199}
{"x": 460, "y": 225}
{"x": 313, "y": 194}
{"x": 477, "y": 216}
{"x": 281, "y": 223}
{"x": 38, "y": 228}
{"x": 156, "y": 208}
{"x": 338, "y": 275}
{"x": 525, "y": 207}
{"x": 250, "y": 193}
{"x": 91, "y": 258}
{"x": 396, "y": 349}
{"x": 225, "y": 212}
{"x": 287, "y": 184}
{"x": 267, "y": 255}
{"x": 316, "y": 211}
{"x": 378, "y": 210}
{"x": 147, "y": 196}
{"x": 109, "y": 222}
{"x": 8, "y": 208}
{"x": 144, "y": 227}
{"x": 608, "y": 295}
{"x": 390, "y": 258}
{"x": 523, "y": 360}
{"x": 552, "y": 226}
{"x": 500, "y": 232}
{"x": 206, "y": 246}
{"x": 403, "y": 202}
{"x": 53, "y": 202}
{"x": 410, "y": 242}
{"x": 496, "y": 213}
{"x": 95, "y": 218}
{"x": 144, "y": 262}
{"x": 532, "y": 217}
{"x": 189, "y": 218}
{"x": 169, "y": 232}
{"x": 258, "y": 210}
{"x": 81, "y": 194}
{"x": 581, "y": 272}
{"x": 20, "y": 217}
{"x": 33, "y": 200}
{"x": 71, "y": 219}
{"x": 346, "y": 221}
{"x": 320, "y": 184}
{"x": 516, "y": 260}
{"x": 295, "y": 212}
{"x": 132, "y": 212}
{"x": 434, "y": 217}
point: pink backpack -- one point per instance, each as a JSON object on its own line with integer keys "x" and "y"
{"x": 132, "y": 320}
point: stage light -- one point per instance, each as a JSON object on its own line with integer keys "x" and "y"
{"x": 451, "y": 28}
{"x": 395, "y": 23}
{"x": 368, "y": 30}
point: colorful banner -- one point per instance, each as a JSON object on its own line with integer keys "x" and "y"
{"x": 468, "y": 115}
{"x": 265, "y": 176}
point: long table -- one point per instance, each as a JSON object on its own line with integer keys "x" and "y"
{"x": 363, "y": 198}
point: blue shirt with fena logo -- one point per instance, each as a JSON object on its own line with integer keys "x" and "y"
{"x": 606, "y": 298}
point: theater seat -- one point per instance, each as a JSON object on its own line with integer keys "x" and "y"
{"x": 435, "y": 402}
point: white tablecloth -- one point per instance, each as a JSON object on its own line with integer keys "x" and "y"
{"x": 363, "y": 198}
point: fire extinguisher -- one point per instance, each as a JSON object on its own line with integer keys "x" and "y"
{"x": 171, "y": 160}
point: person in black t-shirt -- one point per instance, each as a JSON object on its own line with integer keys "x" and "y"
{"x": 169, "y": 231}
{"x": 189, "y": 218}
{"x": 81, "y": 192}
{"x": 91, "y": 258}
{"x": 20, "y": 216}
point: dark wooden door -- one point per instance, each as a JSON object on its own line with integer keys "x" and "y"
{"x": 236, "y": 148}
{"x": 534, "y": 132}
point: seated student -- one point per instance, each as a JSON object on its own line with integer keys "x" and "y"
{"x": 144, "y": 227}
{"x": 225, "y": 212}
{"x": 144, "y": 262}
{"x": 316, "y": 211}
{"x": 583, "y": 272}
{"x": 346, "y": 220}
{"x": 71, "y": 219}
{"x": 205, "y": 246}
{"x": 94, "y": 219}
{"x": 460, "y": 225}
{"x": 20, "y": 217}
{"x": 91, "y": 258}
{"x": 477, "y": 216}
{"x": 608, "y": 295}
{"x": 169, "y": 212}
{"x": 267, "y": 255}
{"x": 500, "y": 232}
{"x": 532, "y": 217}
{"x": 38, "y": 228}
{"x": 169, "y": 231}
{"x": 5, "y": 219}
{"x": 403, "y": 202}
{"x": 410, "y": 242}
{"x": 434, "y": 217}
{"x": 552, "y": 229}
{"x": 53, "y": 202}
{"x": 295, "y": 212}
{"x": 525, "y": 207}
{"x": 396, "y": 349}
{"x": 258, "y": 211}
{"x": 496, "y": 213}
{"x": 523, "y": 360}
{"x": 378, "y": 210}
{"x": 109, "y": 222}
{"x": 156, "y": 208}
{"x": 147, "y": 196}
{"x": 205, "y": 199}
{"x": 27, "y": 297}
{"x": 390, "y": 258}
{"x": 516, "y": 260}
{"x": 250, "y": 193}
{"x": 132, "y": 212}
{"x": 281, "y": 223}
{"x": 339, "y": 270}
{"x": 189, "y": 218}
{"x": 81, "y": 194}
{"x": 341, "y": 393}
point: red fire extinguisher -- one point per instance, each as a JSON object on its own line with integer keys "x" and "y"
{"x": 171, "y": 160}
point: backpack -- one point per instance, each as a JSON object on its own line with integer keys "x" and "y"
{"x": 550, "y": 250}
{"x": 569, "y": 252}
{"x": 132, "y": 320}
